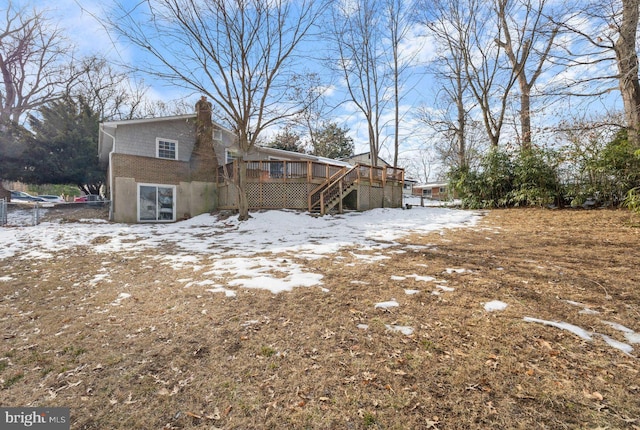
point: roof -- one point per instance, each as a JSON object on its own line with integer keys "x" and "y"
{"x": 432, "y": 185}
{"x": 368, "y": 154}
{"x": 115, "y": 124}
{"x": 300, "y": 155}
{"x": 112, "y": 124}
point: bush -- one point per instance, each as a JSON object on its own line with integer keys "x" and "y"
{"x": 535, "y": 181}
{"x": 484, "y": 188}
{"x": 604, "y": 174}
{"x": 488, "y": 187}
{"x": 632, "y": 200}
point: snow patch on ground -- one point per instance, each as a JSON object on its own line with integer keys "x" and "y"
{"x": 120, "y": 298}
{"x": 495, "y": 305}
{"x": 386, "y": 305}
{"x": 406, "y": 330}
{"x": 578, "y": 331}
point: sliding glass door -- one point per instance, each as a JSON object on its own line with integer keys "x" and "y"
{"x": 156, "y": 203}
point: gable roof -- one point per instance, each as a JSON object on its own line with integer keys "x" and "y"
{"x": 113, "y": 124}
{"x": 352, "y": 157}
{"x": 299, "y": 155}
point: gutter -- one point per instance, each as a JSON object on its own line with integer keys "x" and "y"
{"x": 110, "y": 178}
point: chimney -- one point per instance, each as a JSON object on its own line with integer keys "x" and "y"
{"x": 204, "y": 163}
{"x": 203, "y": 111}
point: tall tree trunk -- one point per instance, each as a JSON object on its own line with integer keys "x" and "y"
{"x": 627, "y": 61}
{"x": 525, "y": 116}
{"x": 243, "y": 199}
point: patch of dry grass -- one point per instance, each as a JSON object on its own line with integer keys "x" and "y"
{"x": 174, "y": 357}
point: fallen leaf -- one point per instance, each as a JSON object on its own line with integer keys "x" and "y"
{"x": 215, "y": 416}
{"x": 545, "y": 344}
{"x": 593, "y": 396}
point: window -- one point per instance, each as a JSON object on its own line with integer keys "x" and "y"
{"x": 166, "y": 148}
{"x": 276, "y": 168}
{"x": 217, "y": 134}
{"x": 230, "y": 156}
{"x": 156, "y": 203}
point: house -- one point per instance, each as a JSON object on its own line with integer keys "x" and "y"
{"x": 433, "y": 191}
{"x": 407, "y": 187}
{"x": 170, "y": 168}
{"x": 365, "y": 158}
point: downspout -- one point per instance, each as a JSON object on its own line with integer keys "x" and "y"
{"x": 110, "y": 179}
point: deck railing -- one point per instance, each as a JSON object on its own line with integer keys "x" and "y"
{"x": 277, "y": 170}
{"x": 317, "y": 183}
{"x": 337, "y": 187}
{"x": 315, "y": 202}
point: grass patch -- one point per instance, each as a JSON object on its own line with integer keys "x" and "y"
{"x": 12, "y": 380}
{"x": 187, "y": 358}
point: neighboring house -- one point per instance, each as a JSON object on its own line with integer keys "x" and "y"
{"x": 407, "y": 187}
{"x": 434, "y": 191}
{"x": 170, "y": 168}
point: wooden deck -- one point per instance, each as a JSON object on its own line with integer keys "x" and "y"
{"x": 313, "y": 186}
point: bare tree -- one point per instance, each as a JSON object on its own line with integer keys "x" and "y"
{"x": 471, "y": 65}
{"x": 237, "y": 52}
{"x": 399, "y": 15}
{"x": 109, "y": 92}
{"x": 419, "y": 163}
{"x": 309, "y": 88}
{"x": 627, "y": 62}
{"x": 606, "y": 31}
{"x": 356, "y": 34}
{"x": 449, "y": 24}
{"x": 528, "y": 36}
{"x": 34, "y": 62}
{"x": 489, "y": 81}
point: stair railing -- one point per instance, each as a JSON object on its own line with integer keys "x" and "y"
{"x": 315, "y": 195}
{"x": 337, "y": 188}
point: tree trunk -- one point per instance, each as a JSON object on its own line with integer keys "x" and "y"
{"x": 627, "y": 61}
{"x": 243, "y": 200}
{"x": 525, "y": 117}
{"x": 461, "y": 127}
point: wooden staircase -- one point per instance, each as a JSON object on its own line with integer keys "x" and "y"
{"x": 333, "y": 191}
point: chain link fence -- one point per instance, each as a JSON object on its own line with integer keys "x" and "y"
{"x": 33, "y": 215}
{"x": 3, "y": 212}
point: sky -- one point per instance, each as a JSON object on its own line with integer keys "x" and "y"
{"x": 84, "y": 26}
{"x": 224, "y": 255}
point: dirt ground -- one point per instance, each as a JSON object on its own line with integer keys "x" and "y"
{"x": 171, "y": 357}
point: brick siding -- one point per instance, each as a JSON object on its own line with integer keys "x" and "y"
{"x": 150, "y": 170}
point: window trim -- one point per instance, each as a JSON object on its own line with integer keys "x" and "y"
{"x": 174, "y": 201}
{"x": 230, "y": 155}
{"x": 162, "y": 139}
